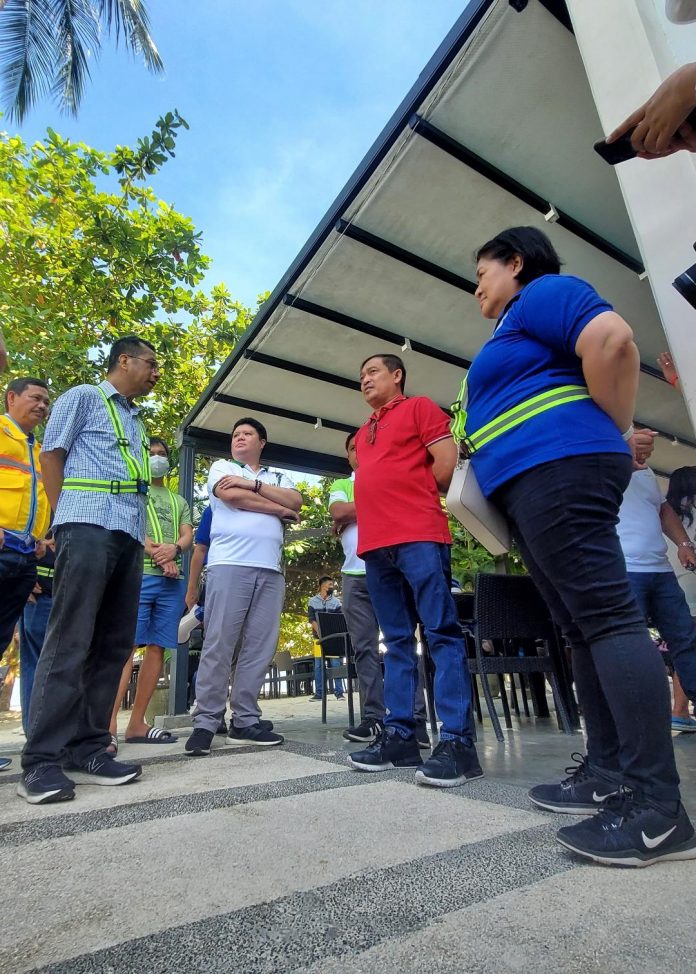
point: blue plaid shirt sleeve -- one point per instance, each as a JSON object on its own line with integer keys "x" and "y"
{"x": 66, "y": 421}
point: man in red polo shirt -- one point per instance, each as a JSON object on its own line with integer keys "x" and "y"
{"x": 406, "y": 457}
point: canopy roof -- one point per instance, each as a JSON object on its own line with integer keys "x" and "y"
{"x": 497, "y": 131}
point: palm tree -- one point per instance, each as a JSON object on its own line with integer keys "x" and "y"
{"x": 45, "y": 46}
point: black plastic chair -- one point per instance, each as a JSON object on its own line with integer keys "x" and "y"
{"x": 335, "y": 643}
{"x": 508, "y": 609}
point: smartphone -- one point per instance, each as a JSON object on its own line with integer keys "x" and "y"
{"x": 616, "y": 152}
{"x": 622, "y": 150}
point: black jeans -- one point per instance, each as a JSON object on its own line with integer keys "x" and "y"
{"x": 564, "y": 515}
{"x": 90, "y": 635}
{"x": 17, "y": 579}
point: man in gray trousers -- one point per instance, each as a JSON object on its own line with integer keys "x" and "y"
{"x": 360, "y": 617}
{"x": 245, "y": 589}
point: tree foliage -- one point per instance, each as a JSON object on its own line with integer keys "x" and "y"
{"x": 88, "y": 253}
{"x": 46, "y": 46}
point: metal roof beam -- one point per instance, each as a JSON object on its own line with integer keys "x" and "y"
{"x": 306, "y": 371}
{"x": 259, "y": 407}
{"x": 404, "y": 256}
{"x": 458, "y": 151}
{"x": 381, "y": 334}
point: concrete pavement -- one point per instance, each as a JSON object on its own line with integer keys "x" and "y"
{"x": 284, "y": 860}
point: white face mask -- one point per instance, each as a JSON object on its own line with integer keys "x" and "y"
{"x": 158, "y": 466}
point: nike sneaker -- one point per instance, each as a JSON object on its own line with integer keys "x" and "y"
{"x": 581, "y": 793}
{"x": 627, "y": 831}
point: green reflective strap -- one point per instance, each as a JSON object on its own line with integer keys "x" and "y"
{"x": 154, "y": 523}
{"x": 102, "y": 486}
{"x": 458, "y": 424}
{"x": 526, "y": 410}
{"x": 512, "y": 417}
{"x": 44, "y": 572}
{"x": 138, "y": 469}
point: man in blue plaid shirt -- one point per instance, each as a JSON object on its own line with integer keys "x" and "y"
{"x": 95, "y": 464}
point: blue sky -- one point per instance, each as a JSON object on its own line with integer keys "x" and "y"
{"x": 284, "y": 98}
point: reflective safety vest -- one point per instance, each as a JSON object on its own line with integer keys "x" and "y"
{"x": 24, "y": 507}
{"x": 44, "y": 571}
{"x": 558, "y": 396}
{"x": 154, "y": 526}
{"x": 138, "y": 467}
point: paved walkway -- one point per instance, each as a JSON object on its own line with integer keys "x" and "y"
{"x": 284, "y": 860}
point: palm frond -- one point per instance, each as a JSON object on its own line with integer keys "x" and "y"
{"x": 77, "y": 36}
{"x": 27, "y": 54}
{"x": 130, "y": 17}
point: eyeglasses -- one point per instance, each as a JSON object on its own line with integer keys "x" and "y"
{"x": 154, "y": 366}
{"x": 372, "y": 431}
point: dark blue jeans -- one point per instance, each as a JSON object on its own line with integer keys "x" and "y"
{"x": 664, "y": 606}
{"x": 564, "y": 517}
{"x": 32, "y": 632}
{"x": 407, "y": 583}
{"x": 17, "y": 579}
{"x": 331, "y": 663}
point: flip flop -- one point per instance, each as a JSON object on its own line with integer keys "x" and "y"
{"x": 155, "y": 735}
{"x": 112, "y": 749}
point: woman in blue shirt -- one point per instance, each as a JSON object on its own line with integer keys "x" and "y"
{"x": 559, "y": 476}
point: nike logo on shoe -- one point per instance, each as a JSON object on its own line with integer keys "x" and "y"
{"x": 658, "y": 840}
{"x": 601, "y": 798}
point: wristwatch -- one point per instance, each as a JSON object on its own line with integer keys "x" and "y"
{"x": 179, "y": 551}
{"x": 686, "y": 544}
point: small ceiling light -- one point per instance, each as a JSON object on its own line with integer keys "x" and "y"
{"x": 406, "y": 347}
{"x": 552, "y": 216}
{"x": 318, "y": 425}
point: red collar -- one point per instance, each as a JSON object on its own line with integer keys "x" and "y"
{"x": 378, "y": 413}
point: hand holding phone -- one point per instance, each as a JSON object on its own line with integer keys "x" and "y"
{"x": 621, "y": 149}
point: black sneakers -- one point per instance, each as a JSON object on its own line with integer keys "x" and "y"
{"x": 199, "y": 743}
{"x": 451, "y": 764}
{"x": 390, "y": 750}
{"x": 583, "y": 792}
{"x": 364, "y": 733}
{"x": 627, "y": 831}
{"x": 41, "y": 786}
{"x": 102, "y": 769}
{"x": 256, "y": 734}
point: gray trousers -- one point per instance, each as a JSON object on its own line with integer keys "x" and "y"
{"x": 237, "y": 598}
{"x": 364, "y": 635}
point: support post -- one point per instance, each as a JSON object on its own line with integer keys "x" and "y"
{"x": 179, "y": 671}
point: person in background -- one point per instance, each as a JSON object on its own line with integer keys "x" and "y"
{"x": 24, "y": 508}
{"x": 324, "y": 601}
{"x": 646, "y": 519}
{"x": 681, "y": 496}
{"x": 32, "y": 626}
{"x": 545, "y": 415}
{"x": 95, "y": 465}
{"x": 169, "y": 534}
{"x": 195, "y": 592}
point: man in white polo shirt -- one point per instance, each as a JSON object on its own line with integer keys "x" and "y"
{"x": 245, "y": 589}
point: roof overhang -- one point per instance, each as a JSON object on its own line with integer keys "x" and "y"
{"x": 497, "y": 131}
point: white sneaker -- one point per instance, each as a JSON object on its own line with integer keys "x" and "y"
{"x": 188, "y": 623}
